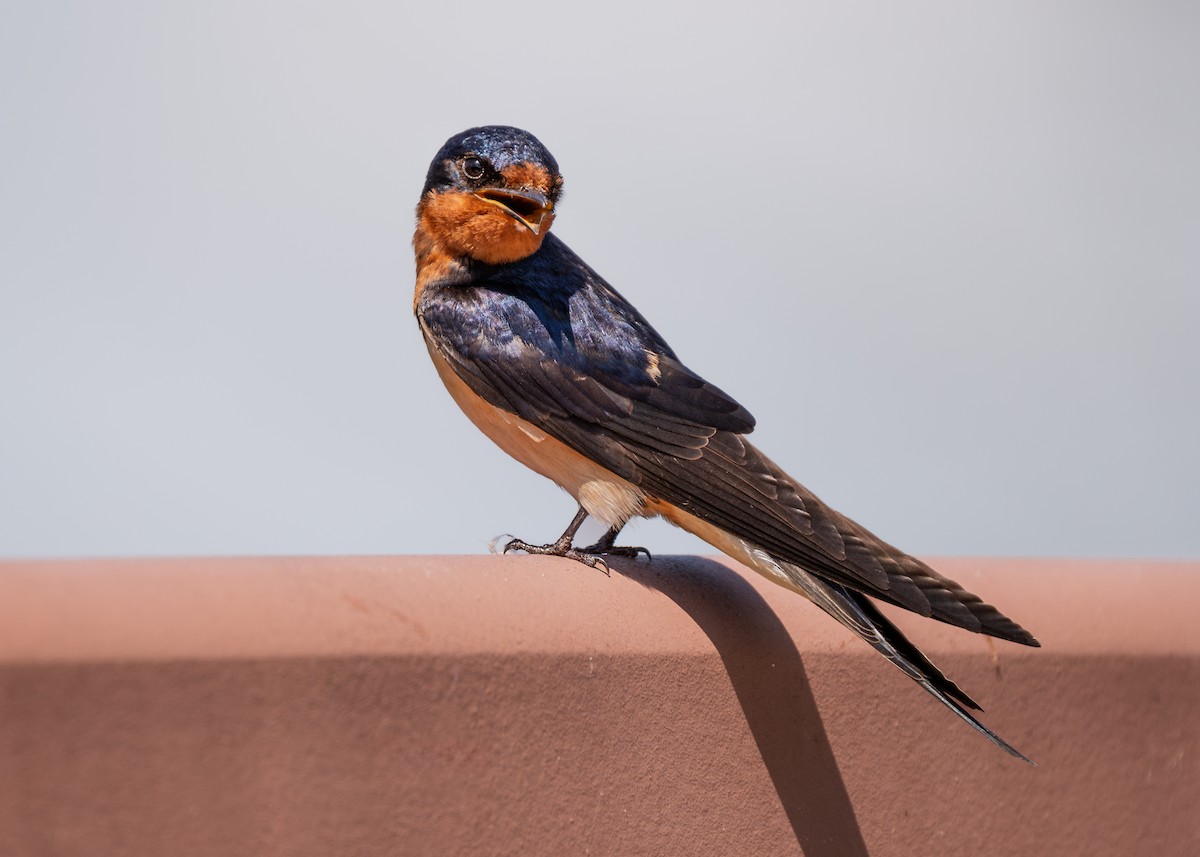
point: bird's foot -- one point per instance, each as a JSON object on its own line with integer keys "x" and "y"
{"x": 604, "y": 547}
{"x": 560, "y": 548}
{"x": 592, "y": 556}
{"x": 601, "y": 549}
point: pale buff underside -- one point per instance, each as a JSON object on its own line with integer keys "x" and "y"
{"x": 606, "y": 496}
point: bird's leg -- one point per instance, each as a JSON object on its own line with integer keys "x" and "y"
{"x": 605, "y": 546}
{"x": 562, "y": 547}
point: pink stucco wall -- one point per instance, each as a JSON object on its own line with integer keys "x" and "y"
{"x": 522, "y": 705}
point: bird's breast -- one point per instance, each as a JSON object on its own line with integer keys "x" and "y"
{"x": 606, "y": 496}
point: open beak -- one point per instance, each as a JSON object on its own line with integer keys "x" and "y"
{"x": 530, "y": 207}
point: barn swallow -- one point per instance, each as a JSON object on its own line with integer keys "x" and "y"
{"x": 564, "y": 375}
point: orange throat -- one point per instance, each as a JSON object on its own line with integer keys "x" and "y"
{"x": 434, "y": 263}
{"x": 462, "y": 224}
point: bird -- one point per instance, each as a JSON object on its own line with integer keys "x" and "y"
{"x": 559, "y": 370}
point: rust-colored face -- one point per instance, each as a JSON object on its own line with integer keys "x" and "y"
{"x": 493, "y": 215}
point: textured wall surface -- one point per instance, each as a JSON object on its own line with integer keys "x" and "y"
{"x": 503, "y": 705}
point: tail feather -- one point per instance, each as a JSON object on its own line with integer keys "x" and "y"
{"x": 857, "y": 613}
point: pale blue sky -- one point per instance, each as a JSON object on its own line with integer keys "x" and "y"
{"x": 947, "y": 254}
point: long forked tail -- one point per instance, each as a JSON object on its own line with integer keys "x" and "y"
{"x": 857, "y": 613}
{"x": 852, "y": 609}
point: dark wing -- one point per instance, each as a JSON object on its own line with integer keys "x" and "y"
{"x": 737, "y": 488}
{"x": 551, "y": 342}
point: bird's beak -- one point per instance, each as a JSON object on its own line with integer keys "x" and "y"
{"x": 530, "y": 207}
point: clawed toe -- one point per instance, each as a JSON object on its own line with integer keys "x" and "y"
{"x": 590, "y": 560}
{"x": 516, "y": 545}
{"x": 600, "y": 549}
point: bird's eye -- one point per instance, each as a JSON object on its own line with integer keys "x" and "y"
{"x": 472, "y": 168}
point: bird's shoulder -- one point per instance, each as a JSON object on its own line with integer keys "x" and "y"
{"x": 548, "y": 337}
{"x": 550, "y": 303}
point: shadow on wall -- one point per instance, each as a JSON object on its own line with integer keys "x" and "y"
{"x": 773, "y": 689}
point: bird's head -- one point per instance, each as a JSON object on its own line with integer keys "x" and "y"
{"x": 490, "y": 195}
